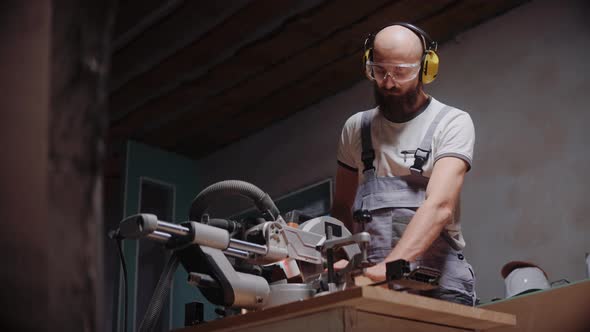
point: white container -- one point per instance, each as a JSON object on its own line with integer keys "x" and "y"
{"x": 588, "y": 264}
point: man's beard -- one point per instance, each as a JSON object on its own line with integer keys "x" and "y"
{"x": 398, "y": 108}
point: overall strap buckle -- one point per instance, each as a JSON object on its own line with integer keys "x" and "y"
{"x": 368, "y": 157}
{"x": 420, "y": 158}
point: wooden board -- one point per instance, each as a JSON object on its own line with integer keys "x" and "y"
{"x": 371, "y": 300}
{"x": 565, "y": 308}
{"x": 360, "y": 321}
{"x": 344, "y": 319}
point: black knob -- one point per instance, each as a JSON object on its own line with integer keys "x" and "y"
{"x": 362, "y": 216}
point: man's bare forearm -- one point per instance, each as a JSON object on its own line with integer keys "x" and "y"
{"x": 426, "y": 225}
{"x": 435, "y": 213}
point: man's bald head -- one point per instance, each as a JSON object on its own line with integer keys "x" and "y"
{"x": 399, "y": 101}
{"x": 397, "y": 43}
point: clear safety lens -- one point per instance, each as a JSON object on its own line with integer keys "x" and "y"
{"x": 399, "y": 72}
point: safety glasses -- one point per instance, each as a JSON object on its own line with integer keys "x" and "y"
{"x": 399, "y": 72}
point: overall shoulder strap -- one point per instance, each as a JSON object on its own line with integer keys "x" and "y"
{"x": 368, "y": 153}
{"x": 423, "y": 151}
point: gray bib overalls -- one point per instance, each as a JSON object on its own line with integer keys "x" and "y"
{"x": 393, "y": 201}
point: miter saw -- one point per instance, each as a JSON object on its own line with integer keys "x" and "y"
{"x": 258, "y": 262}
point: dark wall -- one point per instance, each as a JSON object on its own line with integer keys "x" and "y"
{"x": 113, "y": 213}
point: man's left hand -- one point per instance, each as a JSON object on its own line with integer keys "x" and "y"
{"x": 376, "y": 272}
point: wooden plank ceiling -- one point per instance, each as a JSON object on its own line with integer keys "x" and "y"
{"x": 193, "y": 76}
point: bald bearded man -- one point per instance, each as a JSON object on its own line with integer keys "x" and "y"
{"x": 404, "y": 162}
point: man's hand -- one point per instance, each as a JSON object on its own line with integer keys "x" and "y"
{"x": 341, "y": 264}
{"x": 376, "y": 272}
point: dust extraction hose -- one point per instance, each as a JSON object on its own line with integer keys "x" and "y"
{"x": 234, "y": 187}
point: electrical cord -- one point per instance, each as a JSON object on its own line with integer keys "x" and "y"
{"x": 559, "y": 282}
{"x": 115, "y": 235}
{"x": 161, "y": 292}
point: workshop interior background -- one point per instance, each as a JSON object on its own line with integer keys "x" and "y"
{"x": 259, "y": 90}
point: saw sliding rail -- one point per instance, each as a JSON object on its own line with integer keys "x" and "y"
{"x": 148, "y": 226}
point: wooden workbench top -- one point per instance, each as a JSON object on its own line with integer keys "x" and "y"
{"x": 374, "y": 300}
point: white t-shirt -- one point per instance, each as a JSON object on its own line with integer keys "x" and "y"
{"x": 395, "y": 144}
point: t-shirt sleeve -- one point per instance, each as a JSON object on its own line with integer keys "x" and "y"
{"x": 457, "y": 139}
{"x": 347, "y": 145}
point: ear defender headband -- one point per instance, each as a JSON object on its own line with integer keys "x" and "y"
{"x": 429, "y": 61}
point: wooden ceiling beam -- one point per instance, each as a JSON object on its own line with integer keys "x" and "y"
{"x": 297, "y": 68}
{"x": 198, "y": 55}
{"x": 339, "y": 75}
{"x": 466, "y": 15}
{"x": 130, "y": 13}
{"x": 252, "y": 120}
{"x": 294, "y": 37}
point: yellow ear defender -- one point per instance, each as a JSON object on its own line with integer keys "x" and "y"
{"x": 429, "y": 62}
{"x": 367, "y": 57}
{"x": 429, "y": 67}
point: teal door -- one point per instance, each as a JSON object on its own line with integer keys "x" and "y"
{"x": 164, "y": 184}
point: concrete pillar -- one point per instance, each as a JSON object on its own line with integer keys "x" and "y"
{"x": 54, "y": 64}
